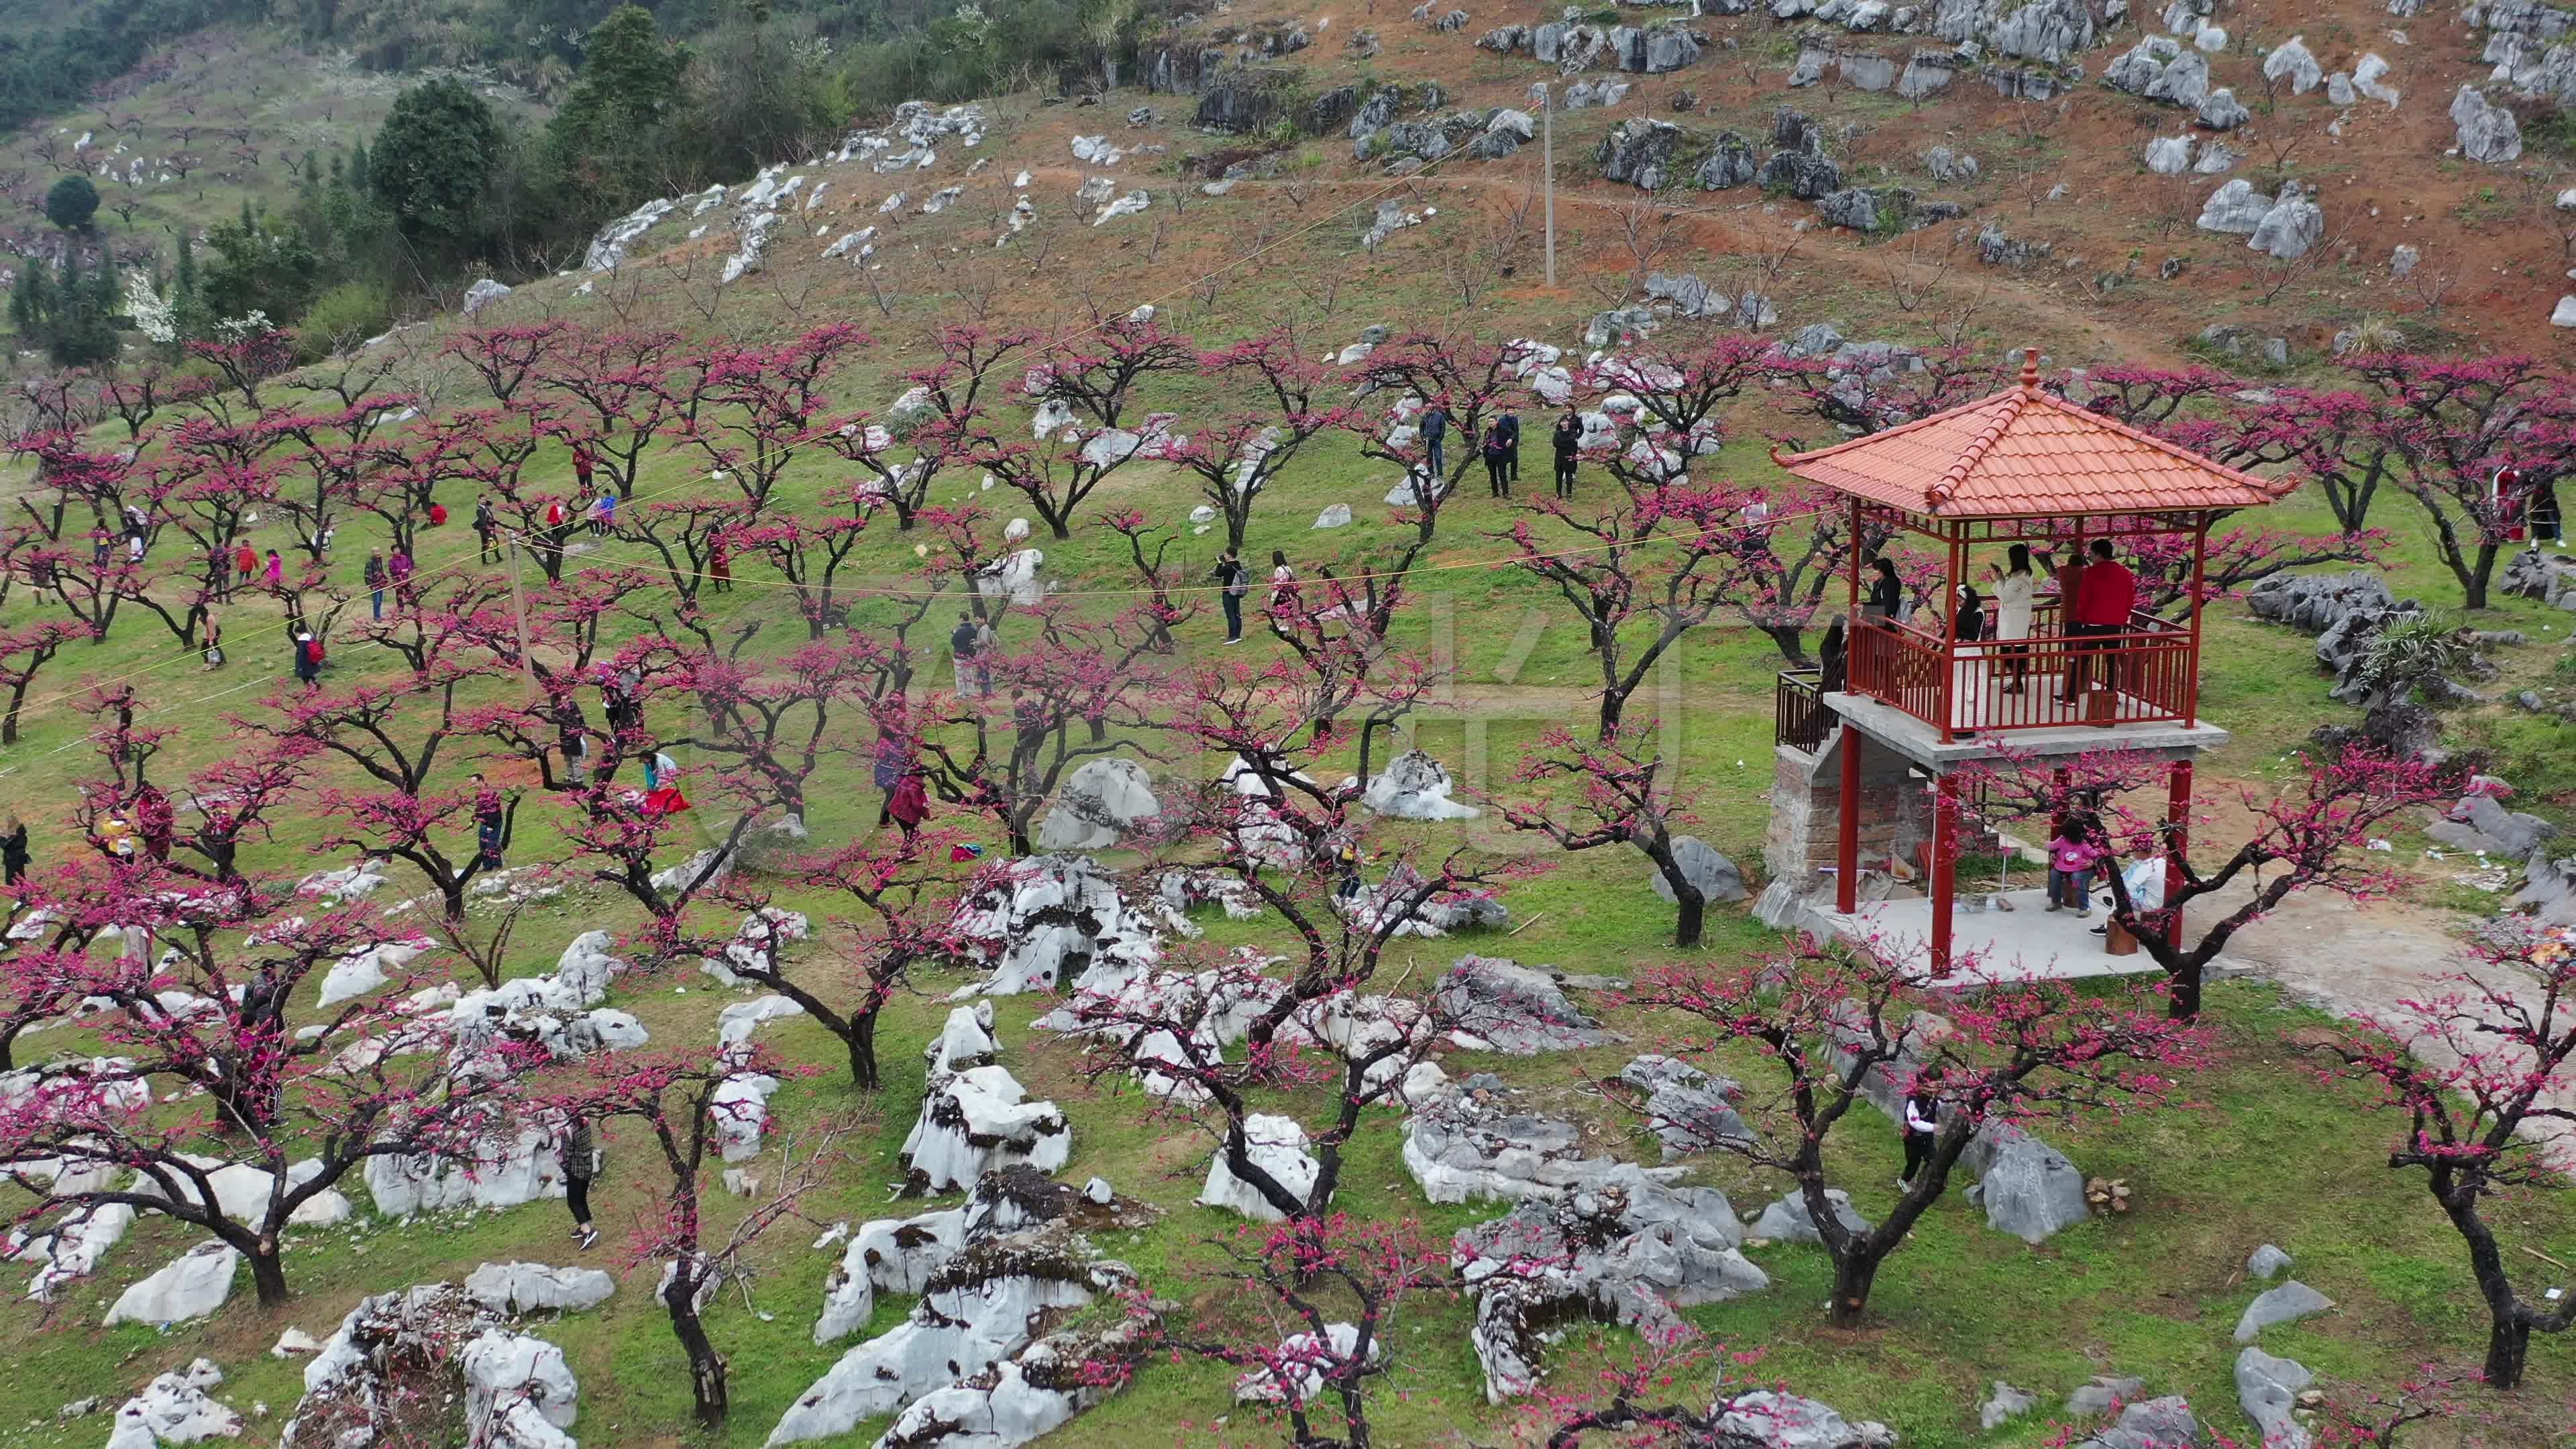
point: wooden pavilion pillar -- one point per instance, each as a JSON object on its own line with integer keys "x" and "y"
{"x": 2177, "y": 837}
{"x": 1945, "y": 858}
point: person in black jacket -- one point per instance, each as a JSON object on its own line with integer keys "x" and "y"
{"x": 1233, "y": 581}
{"x": 579, "y": 1164}
{"x": 13, "y": 850}
{"x": 1497, "y": 455}
{"x": 1509, "y": 425}
{"x": 1568, "y": 438}
{"x": 1886, "y": 594}
{"x": 1834, "y": 658}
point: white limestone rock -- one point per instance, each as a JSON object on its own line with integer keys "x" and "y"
{"x": 2235, "y": 207}
{"x": 192, "y": 1286}
{"x": 509, "y": 1374}
{"x": 741, "y": 1112}
{"x": 1413, "y": 786}
{"x": 513, "y": 1289}
{"x": 510, "y": 1167}
{"x": 979, "y": 1308}
{"x": 1276, "y": 1145}
{"x": 1012, "y": 1403}
{"x": 1300, "y": 1364}
{"x": 965, "y": 1040}
{"x": 977, "y": 1120}
{"x": 1052, "y": 923}
{"x": 2291, "y": 228}
{"x": 1621, "y": 1251}
{"x": 1101, "y": 801}
{"x": 2293, "y": 62}
{"x": 739, "y": 1019}
{"x": 174, "y": 1409}
{"x": 2487, "y": 132}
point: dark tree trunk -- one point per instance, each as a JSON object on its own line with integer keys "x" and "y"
{"x": 268, "y": 1272}
{"x": 245, "y": 1106}
{"x": 2182, "y": 994}
{"x": 1694, "y": 912}
{"x": 1791, "y": 641}
{"x": 1854, "y": 1273}
{"x": 2508, "y": 1347}
{"x": 862, "y": 1040}
{"x": 706, "y": 1366}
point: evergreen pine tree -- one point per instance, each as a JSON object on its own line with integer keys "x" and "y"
{"x": 358, "y": 167}
{"x": 27, "y": 302}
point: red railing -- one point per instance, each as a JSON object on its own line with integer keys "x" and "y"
{"x": 2146, "y": 675}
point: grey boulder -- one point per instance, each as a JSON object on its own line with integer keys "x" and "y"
{"x": 2268, "y": 1390}
{"x": 2267, "y": 1262}
{"x": 2005, "y": 1403}
{"x": 1788, "y": 1221}
{"x": 1729, "y": 163}
{"x": 2164, "y": 1423}
{"x": 1640, "y": 152}
{"x": 1514, "y": 1009}
{"x": 1718, "y": 878}
{"x": 2487, "y": 131}
{"x": 2028, "y": 1188}
{"x": 1689, "y": 1110}
{"x": 2288, "y": 1303}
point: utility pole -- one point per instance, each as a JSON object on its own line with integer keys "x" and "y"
{"x": 1547, "y": 165}
{"x": 519, "y": 609}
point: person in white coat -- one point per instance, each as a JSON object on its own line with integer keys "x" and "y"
{"x": 2013, "y": 585}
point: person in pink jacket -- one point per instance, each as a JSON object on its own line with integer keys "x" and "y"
{"x": 2072, "y": 855}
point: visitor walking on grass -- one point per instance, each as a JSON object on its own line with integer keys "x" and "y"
{"x": 486, "y": 529}
{"x": 1498, "y": 458}
{"x": 580, "y": 1165}
{"x": 374, "y": 575}
{"x": 892, "y": 761}
{"x": 910, "y": 804}
{"x": 214, "y": 643}
{"x": 274, "y": 574}
{"x": 1283, "y": 583}
{"x": 1510, "y": 427}
{"x": 398, "y": 571}
{"x": 1922, "y": 1123}
{"x": 1232, "y": 580}
{"x": 308, "y": 659}
{"x": 964, "y": 642}
{"x": 13, "y": 849}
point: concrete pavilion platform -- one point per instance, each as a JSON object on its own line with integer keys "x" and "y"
{"x": 1921, "y": 744}
{"x": 1991, "y": 946}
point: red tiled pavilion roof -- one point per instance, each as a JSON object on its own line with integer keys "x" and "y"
{"x": 2026, "y": 453}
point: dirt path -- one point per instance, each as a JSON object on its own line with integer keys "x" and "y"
{"x": 2362, "y": 960}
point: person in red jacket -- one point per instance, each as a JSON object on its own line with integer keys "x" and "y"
{"x": 2104, "y": 594}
